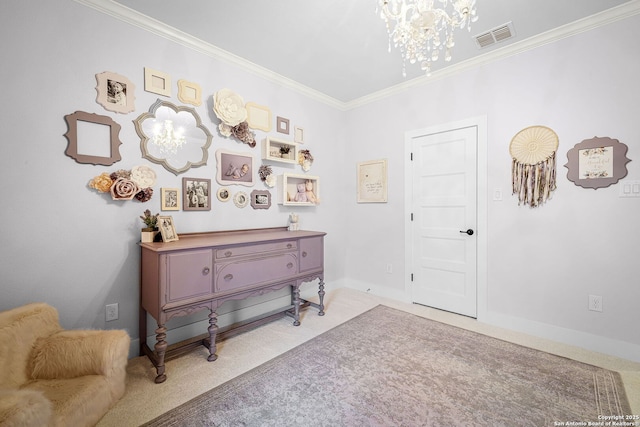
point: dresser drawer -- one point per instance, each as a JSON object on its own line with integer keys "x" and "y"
{"x": 236, "y": 251}
{"x": 243, "y": 273}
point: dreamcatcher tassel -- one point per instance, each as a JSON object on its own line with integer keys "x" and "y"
{"x": 534, "y": 183}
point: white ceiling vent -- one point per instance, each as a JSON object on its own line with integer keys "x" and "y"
{"x": 495, "y": 35}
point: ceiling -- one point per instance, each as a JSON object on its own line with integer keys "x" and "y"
{"x": 339, "y": 49}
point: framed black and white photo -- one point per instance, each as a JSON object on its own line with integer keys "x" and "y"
{"x": 196, "y": 194}
{"x": 170, "y": 199}
{"x": 167, "y": 228}
{"x": 260, "y": 199}
{"x": 115, "y": 92}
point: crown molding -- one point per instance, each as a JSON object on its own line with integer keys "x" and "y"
{"x": 158, "y": 28}
{"x": 130, "y": 16}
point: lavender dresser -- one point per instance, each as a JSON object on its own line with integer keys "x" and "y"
{"x": 203, "y": 270}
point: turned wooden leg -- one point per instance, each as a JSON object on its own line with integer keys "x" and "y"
{"x": 213, "y": 330}
{"x": 160, "y": 349}
{"x": 321, "y": 295}
{"x": 296, "y": 306}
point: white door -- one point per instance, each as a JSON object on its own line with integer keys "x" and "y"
{"x": 444, "y": 219}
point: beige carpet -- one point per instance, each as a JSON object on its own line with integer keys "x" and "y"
{"x": 190, "y": 375}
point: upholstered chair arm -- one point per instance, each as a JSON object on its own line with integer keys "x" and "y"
{"x": 24, "y": 408}
{"x": 74, "y": 353}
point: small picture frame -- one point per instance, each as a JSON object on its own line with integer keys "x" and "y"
{"x": 224, "y": 195}
{"x": 115, "y": 92}
{"x": 157, "y": 82}
{"x": 282, "y": 125}
{"x": 196, "y": 194}
{"x": 241, "y": 199}
{"x": 234, "y": 168}
{"x": 189, "y": 93}
{"x": 170, "y": 199}
{"x": 260, "y": 199}
{"x": 298, "y": 134}
{"x": 167, "y": 229}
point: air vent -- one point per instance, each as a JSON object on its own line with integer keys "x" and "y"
{"x": 495, "y": 35}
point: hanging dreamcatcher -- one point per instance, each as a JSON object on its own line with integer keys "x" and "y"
{"x": 533, "y": 169}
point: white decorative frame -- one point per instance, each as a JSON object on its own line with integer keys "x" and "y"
{"x": 241, "y": 199}
{"x": 298, "y": 134}
{"x": 167, "y": 229}
{"x": 157, "y": 82}
{"x": 189, "y": 93}
{"x": 372, "y": 181}
{"x": 258, "y": 116}
{"x": 170, "y": 199}
{"x": 282, "y": 125}
{"x": 271, "y": 150}
{"x": 231, "y": 168}
{"x": 110, "y": 97}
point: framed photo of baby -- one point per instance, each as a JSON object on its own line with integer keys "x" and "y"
{"x": 115, "y": 92}
{"x": 234, "y": 168}
{"x": 196, "y": 194}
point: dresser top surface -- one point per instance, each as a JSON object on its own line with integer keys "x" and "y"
{"x": 225, "y": 238}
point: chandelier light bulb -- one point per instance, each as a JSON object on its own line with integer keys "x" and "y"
{"x": 168, "y": 139}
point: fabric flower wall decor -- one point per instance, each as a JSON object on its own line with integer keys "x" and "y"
{"x": 230, "y": 108}
{"x": 126, "y": 185}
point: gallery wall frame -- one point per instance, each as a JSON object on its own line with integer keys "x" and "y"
{"x": 234, "y": 168}
{"x": 169, "y": 199}
{"x": 115, "y": 92}
{"x": 157, "y": 82}
{"x": 597, "y": 162}
{"x": 110, "y": 144}
{"x": 260, "y": 199}
{"x": 282, "y": 125}
{"x": 258, "y": 116}
{"x": 372, "y": 181}
{"x": 196, "y": 194}
{"x": 189, "y": 92}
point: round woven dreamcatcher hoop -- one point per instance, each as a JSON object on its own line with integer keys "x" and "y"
{"x": 533, "y": 145}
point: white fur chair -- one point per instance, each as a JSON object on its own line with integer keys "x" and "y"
{"x": 55, "y": 377}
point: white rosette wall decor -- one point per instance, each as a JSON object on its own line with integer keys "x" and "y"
{"x": 229, "y": 107}
{"x": 533, "y": 168}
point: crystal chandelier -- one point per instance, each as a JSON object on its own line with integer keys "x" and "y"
{"x": 421, "y": 29}
{"x": 167, "y": 138}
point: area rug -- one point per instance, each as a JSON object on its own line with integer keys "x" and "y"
{"x": 387, "y": 367}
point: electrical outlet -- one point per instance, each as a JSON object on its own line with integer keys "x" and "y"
{"x": 595, "y": 303}
{"x": 111, "y": 312}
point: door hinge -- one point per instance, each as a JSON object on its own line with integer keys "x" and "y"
{"x": 411, "y": 216}
{"x": 412, "y": 277}
{"x": 412, "y": 157}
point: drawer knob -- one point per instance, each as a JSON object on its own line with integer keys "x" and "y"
{"x": 304, "y": 254}
{"x": 205, "y": 271}
{"x": 228, "y": 253}
{"x": 289, "y": 245}
{"x": 290, "y": 265}
{"x": 228, "y": 277}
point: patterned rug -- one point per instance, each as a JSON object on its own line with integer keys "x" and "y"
{"x": 390, "y": 368}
